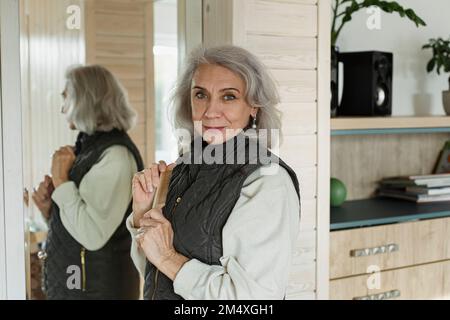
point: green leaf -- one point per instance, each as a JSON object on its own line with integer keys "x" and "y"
{"x": 430, "y": 65}
{"x": 354, "y": 6}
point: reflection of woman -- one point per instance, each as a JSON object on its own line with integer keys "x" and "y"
{"x": 227, "y": 230}
{"x": 88, "y": 247}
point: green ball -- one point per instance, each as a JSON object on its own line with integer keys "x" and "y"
{"x": 338, "y": 192}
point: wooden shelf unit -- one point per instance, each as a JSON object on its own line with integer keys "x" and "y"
{"x": 389, "y": 125}
{"x": 419, "y": 262}
{"x": 353, "y": 123}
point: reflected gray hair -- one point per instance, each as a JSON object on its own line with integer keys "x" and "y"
{"x": 97, "y": 101}
{"x": 261, "y": 90}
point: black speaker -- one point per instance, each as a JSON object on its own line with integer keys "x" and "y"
{"x": 334, "y": 80}
{"x": 367, "y": 87}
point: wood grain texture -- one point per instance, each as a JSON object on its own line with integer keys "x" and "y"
{"x": 302, "y": 280}
{"x": 299, "y": 151}
{"x": 419, "y": 242}
{"x": 423, "y": 282}
{"x": 296, "y": 118}
{"x": 296, "y": 85}
{"x": 283, "y": 18}
{"x": 305, "y": 249}
{"x": 120, "y": 37}
{"x": 283, "y": 52}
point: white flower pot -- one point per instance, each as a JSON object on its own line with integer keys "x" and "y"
{"x": 446, "y": 101}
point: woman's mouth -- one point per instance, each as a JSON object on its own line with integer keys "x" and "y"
{"x": 206, "y": 128}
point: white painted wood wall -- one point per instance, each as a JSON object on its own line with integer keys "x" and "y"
{"x": 292, "y": 37}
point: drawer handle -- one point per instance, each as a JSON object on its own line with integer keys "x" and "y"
{"x": 381, "y": 296}
{"x": 388, "y": 248}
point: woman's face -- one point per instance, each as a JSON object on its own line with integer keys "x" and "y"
{"x": 218, "y": 102}
{"x": 65, "y": 107}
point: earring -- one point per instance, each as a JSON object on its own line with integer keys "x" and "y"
{"x": 254, "y": 123}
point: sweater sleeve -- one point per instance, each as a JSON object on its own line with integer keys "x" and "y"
{"x": 137, "y": 255}
{"x": 92, "y": 213}
{"x": 258, "y": 240}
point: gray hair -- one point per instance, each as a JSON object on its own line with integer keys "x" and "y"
{"x": 97, "y": 101}
{"x": 261, "y": 90}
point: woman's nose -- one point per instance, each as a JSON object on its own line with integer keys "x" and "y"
{"x": 213, "y": 109}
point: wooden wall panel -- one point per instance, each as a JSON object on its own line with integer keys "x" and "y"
{"x": 287, "y": 52}
{"x": 296, "y": 86}
{"x": 291, "y": 40}
{"x": 302, "y": 280}
{"x": 120, "y": 37}
{"x": 296, "y": 118}
{"x": 281, "y": 18}
{"x": 114, "y": 24}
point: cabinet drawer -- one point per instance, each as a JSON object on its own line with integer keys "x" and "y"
{"x": 353, "y": 252}
{"x": 428, "y": 281}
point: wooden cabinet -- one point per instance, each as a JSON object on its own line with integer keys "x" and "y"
{"x": 411, "y": 257}
{"x": 424, "y": 282}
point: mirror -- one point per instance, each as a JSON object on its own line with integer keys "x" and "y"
{"x": 76, "y": 218}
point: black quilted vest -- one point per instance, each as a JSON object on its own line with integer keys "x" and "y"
{"x": 199, "y": 202}
{"x": 107, "y": 273}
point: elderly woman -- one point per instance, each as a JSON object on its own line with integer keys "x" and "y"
{"x": 88, "y": 196}
{"x": 228, "y": 227}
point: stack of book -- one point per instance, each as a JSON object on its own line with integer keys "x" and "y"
{"x": 420, "y": 189}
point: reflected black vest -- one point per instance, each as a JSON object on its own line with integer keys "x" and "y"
{"x": 200, "y": 200}
{"x": 107, "y": 273}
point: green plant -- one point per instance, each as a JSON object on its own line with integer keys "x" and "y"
{"x": 441, "y": 55}
{"x": 342, "y": 16}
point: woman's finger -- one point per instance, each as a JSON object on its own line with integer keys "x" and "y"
{"x": 38, "y": 199}
{"x": 135, "y": 183}
{"x": 69, "y": 150}
{"x": 139, "y": 237}
{"x": 143, "y": 182}
{"x": 155, "y": 214}
{"x": 141, "y": 233}
{"x": 172, "y": 166}
{"x": 151, "y": 223}
{"x": 162, "y": 166}
{"x": 155, "y": 175}
{"x": 42, "y": 191}
{"x": 47, "y": 180}
{"x": 149, "y": 179}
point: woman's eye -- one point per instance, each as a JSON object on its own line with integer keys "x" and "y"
{"x": 229, "y": 97}
{"x": 200, "y": 95}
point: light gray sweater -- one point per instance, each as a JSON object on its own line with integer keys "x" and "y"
{"x": 93, "y": 212}
{"x": 258, "y": 241}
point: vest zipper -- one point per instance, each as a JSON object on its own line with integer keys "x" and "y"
{"x": 83, "y": 268}
{"x": 157, "y": 271}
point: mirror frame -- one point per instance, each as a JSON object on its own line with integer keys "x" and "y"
{"x": 12, "y": 218}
